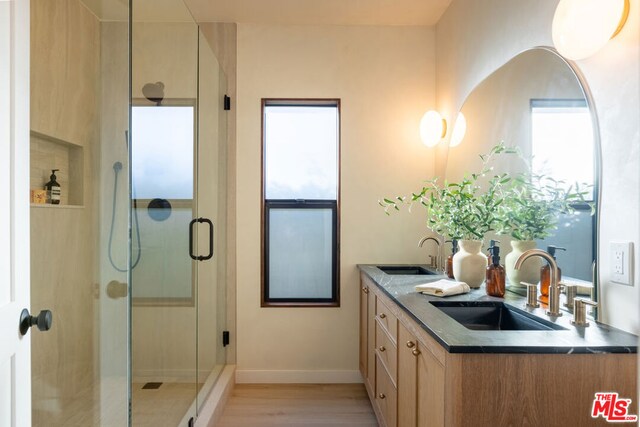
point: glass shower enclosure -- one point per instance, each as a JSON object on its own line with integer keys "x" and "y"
{"x": 178, "y": 215}
{"x": 127, "y": 101}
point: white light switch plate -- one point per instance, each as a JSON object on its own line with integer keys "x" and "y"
{"x": 621, "y": 262}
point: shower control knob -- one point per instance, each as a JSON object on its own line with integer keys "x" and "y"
{"x": 43, "y": 321}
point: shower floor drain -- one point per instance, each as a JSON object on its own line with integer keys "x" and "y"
{"x": 151, "y": 386}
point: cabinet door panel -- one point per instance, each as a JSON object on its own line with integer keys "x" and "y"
{"x": 407, "y": 379}
{"x": 430, "y": 399}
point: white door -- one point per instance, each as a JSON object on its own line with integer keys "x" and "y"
{"x": 15, "y": 356}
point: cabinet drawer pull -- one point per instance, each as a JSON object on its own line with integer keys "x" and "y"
{"x": 382, "y": 315}
{"x": 411, "y": 344}
{"x": 365, "y": 290}
{"x": 416, "y": 352}
{"x": 382, "y": 348}
{"x": 381, "y": 396}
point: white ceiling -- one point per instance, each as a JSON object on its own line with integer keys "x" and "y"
{"x": 320, "y": 12}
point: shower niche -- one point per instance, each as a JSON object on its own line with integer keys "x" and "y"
{"x": 48, "y": 153}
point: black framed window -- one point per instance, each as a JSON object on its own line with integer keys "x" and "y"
{"x": 300, "y": 202}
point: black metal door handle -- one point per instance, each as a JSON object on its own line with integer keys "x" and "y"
{"x": 43, "y": 321}
{"x": 193, "y": 221}
{"x": 210, "y": 254}
{"x": 211, "y": 234}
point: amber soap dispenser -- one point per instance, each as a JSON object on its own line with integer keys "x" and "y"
{"x": 545, "y": 273}
{"x": 495, "y": 274}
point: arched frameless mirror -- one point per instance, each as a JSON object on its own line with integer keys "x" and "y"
{"x": 539, "y": 102}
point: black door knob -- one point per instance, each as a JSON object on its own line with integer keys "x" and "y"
{"x": 42, "y": 321}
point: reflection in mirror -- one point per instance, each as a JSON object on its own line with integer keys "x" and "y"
{"x": 537, "y": 103}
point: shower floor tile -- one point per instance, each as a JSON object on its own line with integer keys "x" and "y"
{"x": 163, "y": 406}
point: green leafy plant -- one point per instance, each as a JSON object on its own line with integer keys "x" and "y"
{"x": 526, "y": 207}
{"x": 464, "y": 210}
{"x": 534, "y": 204}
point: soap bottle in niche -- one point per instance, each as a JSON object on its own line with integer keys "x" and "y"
{"x": 495, "y": 274}
{"x": 449, "y": 266}
{"x": 53, "y": 189}
{"x": 545, "y": 274}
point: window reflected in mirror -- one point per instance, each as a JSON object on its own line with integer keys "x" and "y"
{"x": 561, "y": 129}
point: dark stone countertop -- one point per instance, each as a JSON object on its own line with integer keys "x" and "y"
{"x": 456, "y": 338}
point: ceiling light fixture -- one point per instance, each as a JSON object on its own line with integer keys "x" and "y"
{"x": 583, "y": 27}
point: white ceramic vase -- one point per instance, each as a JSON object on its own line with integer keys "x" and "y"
{"x": 530, "y": 270}
{"x": 469, "y": 263}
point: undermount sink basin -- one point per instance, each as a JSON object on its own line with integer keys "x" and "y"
{"x": 493, "y": 316}
{"x": 407, "y": 270}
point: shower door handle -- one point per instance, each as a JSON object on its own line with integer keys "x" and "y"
{"x": 210, "y": 254}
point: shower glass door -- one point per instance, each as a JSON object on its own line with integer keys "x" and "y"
{"x": 164, "y": 185}
{"x": 178, "y": 216}
{"x": 212, "y": 204}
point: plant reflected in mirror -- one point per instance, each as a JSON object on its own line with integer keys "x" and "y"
{"x": 526, "y": 206}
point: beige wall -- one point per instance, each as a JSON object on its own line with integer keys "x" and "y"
{"x": 385, "y": 79}
{"x": 475, "y": 38}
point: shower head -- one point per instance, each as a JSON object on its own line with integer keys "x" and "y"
{"x": 117, "y": 167}
{"x": 154, "y": 92}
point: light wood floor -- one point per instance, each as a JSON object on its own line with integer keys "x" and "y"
{"x": 269, "y": 405}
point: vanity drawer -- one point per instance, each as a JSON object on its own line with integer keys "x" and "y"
{"x": 386, "y": 395}
{"x": 388, "y": 321}
{"x": 387, "y": 351}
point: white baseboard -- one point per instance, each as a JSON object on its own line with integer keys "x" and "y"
{"x": 249, "y": 376}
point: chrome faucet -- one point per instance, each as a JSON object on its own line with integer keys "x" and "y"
{"x": 554, "y": 286}
{"x": 435, "y": 262}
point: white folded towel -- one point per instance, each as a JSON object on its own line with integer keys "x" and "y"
{"x": 443, "y": 288}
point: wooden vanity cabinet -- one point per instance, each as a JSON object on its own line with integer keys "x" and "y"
{"x": 424, "y": 385}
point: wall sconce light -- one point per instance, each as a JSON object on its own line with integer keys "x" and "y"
{"x": 459, "y": 130}
{"x": 432, "y": 128}
{"x": 583, "y": 27}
